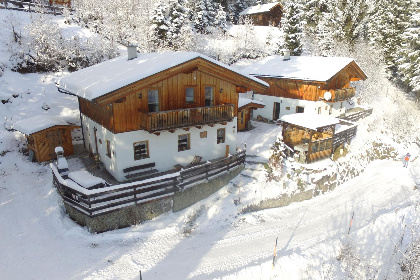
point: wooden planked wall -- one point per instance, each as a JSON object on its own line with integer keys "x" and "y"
{"x": 310, "y": 91}
{"x": 39, "y": 143}
{"x": 123, "y": 115}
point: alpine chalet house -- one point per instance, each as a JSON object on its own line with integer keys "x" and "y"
{"x": 305, "y": 84}
{"x": 158, "y": 110}
{"x": 264, "y": 15}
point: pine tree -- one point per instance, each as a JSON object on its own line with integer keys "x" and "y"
{"x": 292, "y": 25}
{"x": 409, "y": 53}
{"x": 159, "y": 24}
{"x": 389, "y": 21}
{"x": 177, "y": 17}
{"x": 206, "y": 15}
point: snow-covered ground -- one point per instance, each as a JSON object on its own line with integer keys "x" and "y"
{"x": 212, "y": 239}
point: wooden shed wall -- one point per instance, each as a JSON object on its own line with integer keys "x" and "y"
{"x": 43, "y": 143}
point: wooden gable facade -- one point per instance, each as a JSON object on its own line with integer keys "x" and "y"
{"x": 194, "y": 93}
{"x": 265, "y": 17}
{"x": 337, "y": 87}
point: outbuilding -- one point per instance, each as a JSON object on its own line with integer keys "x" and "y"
{"x": 44, "y": 134}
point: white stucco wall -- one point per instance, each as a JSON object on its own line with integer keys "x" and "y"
{"x": 163, "y": 148}
{"x": 311, "y": 107}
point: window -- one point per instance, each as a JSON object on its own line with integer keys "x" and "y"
{"x": 108, "y": 148}
{"x": 153, "y": 100}
{"x": 221, "y": 132}
{"x": 141, "y": 150}
{"x": 315, "y": 147}
{"x": 189, "y": 95}
{"x": 319, "y": 110}
{"x": 209, "y": 93}
{"x": 300, "y": 109}
{"x": 183, "y": 142}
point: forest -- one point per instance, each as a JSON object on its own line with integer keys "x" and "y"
{"x": 387, "y": 32}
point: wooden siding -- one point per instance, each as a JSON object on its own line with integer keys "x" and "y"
{"x": 218, "y": 72}
{"x": 124, "y": 114}
{"x": 100, "y": 114}
{"x": 43, "y": 143}
{"x": 311, "y": 91}
{"x": 272, "y": 17}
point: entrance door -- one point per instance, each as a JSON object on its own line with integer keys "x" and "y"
{"x": 96, "y": 140}
{"x": 241, "y": 121}
{"x": 55, "y": 139}
{"x": 276, "y": 114}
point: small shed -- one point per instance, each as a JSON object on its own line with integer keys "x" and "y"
{"x": 44, "y": 134}
{"x": 309, "y": 135}
{"x": 245, "y": 107}
{"x": 265, "y": 14}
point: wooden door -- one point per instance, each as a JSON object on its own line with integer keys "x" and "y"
{"x": 96, "y": 140}
{"x": 55, "y": 139}
{"x": 227, "y": 151}
{"x": 241, "y": 121}
{"x": 276, "y": 114}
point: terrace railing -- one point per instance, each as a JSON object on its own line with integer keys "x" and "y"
{"x": 96, "y": 202}
{"x": 167, "y": 120}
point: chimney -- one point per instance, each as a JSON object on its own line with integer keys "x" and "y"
{"x": 286, "y": 55}
{"x": 131, "y": 51}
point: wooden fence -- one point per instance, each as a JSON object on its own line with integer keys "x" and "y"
{"x": 31, "y": 7}
{"x": 96, "y": 202}
{"x": 345, "y": 135}
{"x": 357, "y": 116}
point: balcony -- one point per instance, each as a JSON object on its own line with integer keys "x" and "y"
{"x": 341, "y": 94}
{"x": 169, "y": 120}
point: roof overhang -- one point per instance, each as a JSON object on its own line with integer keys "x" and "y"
{"x": 196, "y": 64}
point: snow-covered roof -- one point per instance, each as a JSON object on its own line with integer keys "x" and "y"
{"x": 37, "y": 123}
{"x": 85, "y": 179}
{"x": 310, "y": 68}
{"x": 105, "y": 77}
{"x": 245, "y": 101}
{"x": 311, "y": 121}
{"x": 257, "y": 9}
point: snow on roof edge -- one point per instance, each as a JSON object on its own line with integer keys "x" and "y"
{"x": 105, "y": 77}
{"x": 37, "y": 123}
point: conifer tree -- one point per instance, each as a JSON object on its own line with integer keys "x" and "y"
{"x": 159, "y": 24}
{"x": 409, "y": 54}
{"x": 292, "y": 25}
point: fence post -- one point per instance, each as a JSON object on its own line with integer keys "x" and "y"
{"x": 207, "y": 172}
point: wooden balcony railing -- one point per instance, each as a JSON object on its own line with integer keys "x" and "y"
{"x": 343, "y": 94}
{"x": 167, "y": 120}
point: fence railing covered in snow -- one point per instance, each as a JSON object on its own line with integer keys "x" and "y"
{"x": 31, "y": 7}
{"x": 357, "y": 115}
{"x": 95, "y": 202}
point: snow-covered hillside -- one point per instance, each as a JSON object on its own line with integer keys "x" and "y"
{"x": 214, "y": 239}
